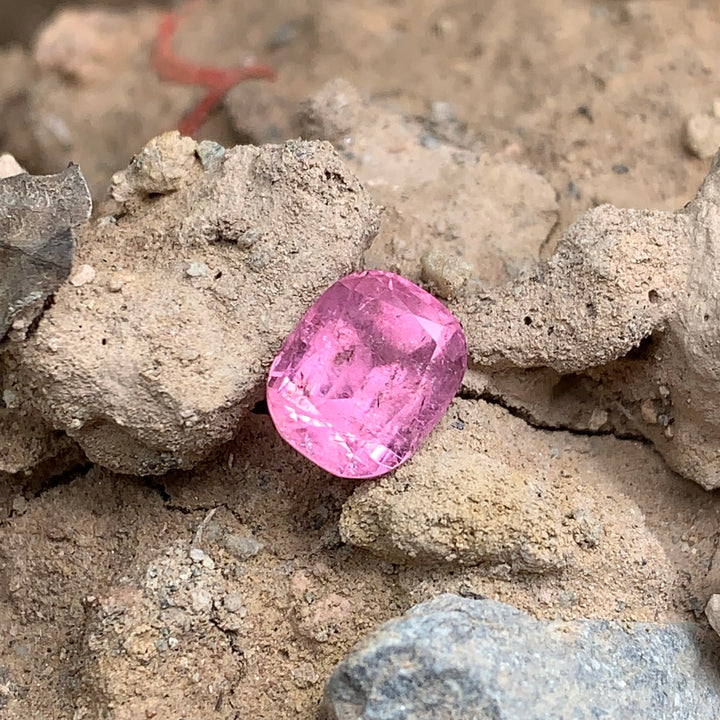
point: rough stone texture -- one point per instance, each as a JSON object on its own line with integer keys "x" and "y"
{"x": 624, "y": 271}
{"x": 180, "y": 623}
{"x": 149, "y": 368}
{"x": 493, "y": 214}
{"x": 446, "y": 274}
{"x": 37, "y": 217}
{"x": 628, "y": 299}
{"x": 458, "y": 658}
{"x": 309, "y": 597}
{"x": 166, "y": 163}
{"x": 482, "y": 492}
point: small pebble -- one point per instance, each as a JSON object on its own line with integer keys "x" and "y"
{"x": 447, "y": 273}
{"x": 250, "y": 237}
{"x": 589, "y": 531}
{"x": 598, "y": 418}
{"x": 197, "y": 555}
{"x": 712, "y": 612}
{"x": 210, "y": 153}
{"x": 442, "y": 112}
{"x": 115, "y": 284}
{"x": 430, "y": 142}
{"x": 620, "y": 169}
{"x": 304, "y": 675}
{"x": 201, "y": 600}
{"x": 702, "y": 135}
{"x": 9, "y": 166}
{"x": 648, "y": 412}
{"x": 189, "y": 354}
{"x": 10, "y": 399}
{"x": 19, "y": 505}
{"x": 197, "y": 269}
{"x": 83, "y": 275}
{"x": 233, "y": 603}
{"x": 241, "y": 547}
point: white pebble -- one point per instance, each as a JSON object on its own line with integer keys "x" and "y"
{"x": 197, "y": 269}
{"x": 83, "y": 275}
{"x": 712, "y": 612}
{"x": 197, "y": 555}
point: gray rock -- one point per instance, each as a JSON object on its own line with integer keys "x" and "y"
{"x": 210, "y": 154}
{"x": 37, "y": 215}
{"x": 458, "y": 658}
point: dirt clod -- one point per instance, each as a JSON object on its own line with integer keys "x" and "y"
{"x": 165, "y": 367}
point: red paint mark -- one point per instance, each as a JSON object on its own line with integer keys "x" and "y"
{"x": 218, "y": 81}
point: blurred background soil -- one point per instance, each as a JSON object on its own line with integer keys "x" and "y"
{"x": 592, "y": 95}
{"x": 19, "y": 22}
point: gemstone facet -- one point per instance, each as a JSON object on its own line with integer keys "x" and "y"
{"x": 366, "y": 374}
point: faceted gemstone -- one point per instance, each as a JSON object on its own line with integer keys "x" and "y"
{"x": 366, "y": 374}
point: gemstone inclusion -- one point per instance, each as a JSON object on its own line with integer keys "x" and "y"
{"x": 366, "y": 374}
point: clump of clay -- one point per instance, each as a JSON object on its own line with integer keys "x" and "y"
{"x": 460, "y": 507}
{"x": 150, "y": 365}
{"x": 487, "y": 489}
{"x": 180, "y": 615}
{"x": 447, "y": 275}
{"x": 165, "y": 164}
{"x": 629, "y": 300}
{"x": 333, "y": 113}
{"x": 86, "y": 44}
{"x": 490, "y": 214}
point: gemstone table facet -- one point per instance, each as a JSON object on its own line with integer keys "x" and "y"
{"x": 366, "y": 374}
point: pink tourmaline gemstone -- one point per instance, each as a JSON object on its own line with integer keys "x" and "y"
{"x": 366, "y": 374}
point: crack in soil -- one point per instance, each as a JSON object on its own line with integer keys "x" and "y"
{"x": 527, "y": 417}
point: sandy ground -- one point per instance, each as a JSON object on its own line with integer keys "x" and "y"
{"x": 591, "y": 95}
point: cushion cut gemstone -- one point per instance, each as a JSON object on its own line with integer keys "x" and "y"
{"x": 366, "y": 374}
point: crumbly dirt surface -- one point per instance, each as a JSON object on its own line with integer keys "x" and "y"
{"x": 231, "y": 590}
